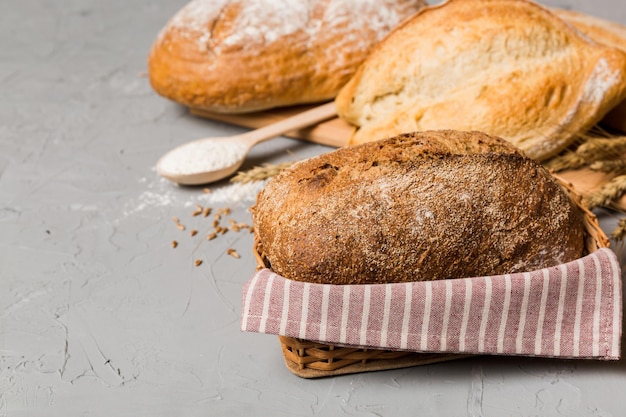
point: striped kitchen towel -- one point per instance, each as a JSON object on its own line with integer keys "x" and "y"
{"x": 573, "y": 310}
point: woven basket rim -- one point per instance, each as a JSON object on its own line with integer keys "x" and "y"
{"x": 310, "y": 359}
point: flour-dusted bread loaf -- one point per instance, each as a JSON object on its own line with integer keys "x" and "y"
{"x": 510, "y": 68}
{"x": 422, "y": 206}
{"x": 609, "y": 33}
{"x": 235, "y": 56}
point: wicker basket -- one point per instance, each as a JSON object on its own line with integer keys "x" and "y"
{"x": 309, "y": 359}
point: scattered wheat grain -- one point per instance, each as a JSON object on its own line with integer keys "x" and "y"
{"x": 198, "y": 211}
{"x": 233, "y": 252}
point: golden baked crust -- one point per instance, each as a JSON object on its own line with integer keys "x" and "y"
{"x": 609, "y": 33}
{"x": 422, "y": 206}
{"x": 235, "y": 56}
{"x": 600, "y": 30}
{"x": 510, "y": 68}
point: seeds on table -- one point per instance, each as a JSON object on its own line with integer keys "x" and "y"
{"x": 218, "y": 229}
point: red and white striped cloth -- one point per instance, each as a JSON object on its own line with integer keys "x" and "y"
{"x": 573, "y": 310}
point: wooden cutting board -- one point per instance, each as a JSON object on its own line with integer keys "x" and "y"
{"x": 335, "y": 133}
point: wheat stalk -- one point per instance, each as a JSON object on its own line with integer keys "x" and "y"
{"x": 595, "y": 149}
{"x": 590, "y": 150}
{"x": 259, "y": 173}
{"x": 620, "y": 231}
{"x": 617, "y": 166}
{"x": 610, "y": 192}
{"x": 567, "y": 161}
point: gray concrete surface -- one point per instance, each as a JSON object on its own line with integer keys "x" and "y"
{"x": 100, "y": 316}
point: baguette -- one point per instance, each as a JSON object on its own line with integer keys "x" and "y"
{"x": 237, "y": 56}
{"x": 421, "y": 206}
{"x": 510, "y": 68}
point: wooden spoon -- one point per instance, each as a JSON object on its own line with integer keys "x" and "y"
{"x": 211, "y": 159}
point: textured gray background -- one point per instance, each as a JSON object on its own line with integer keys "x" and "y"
{"x": 99, "y": 316}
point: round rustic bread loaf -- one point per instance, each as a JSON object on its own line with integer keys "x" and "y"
{"x": 421, "y": 206}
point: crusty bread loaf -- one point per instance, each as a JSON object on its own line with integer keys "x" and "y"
{"x": 235, "y": 56}
{"x": 422, "y": 206}
{"x": 600, "y": 30}
{"x": 609, "y": 33}
{"x": 510, "y": 68}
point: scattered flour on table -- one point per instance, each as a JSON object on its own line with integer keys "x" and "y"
{"x": 233, "y": 194}
{"x": 160, "y": 193}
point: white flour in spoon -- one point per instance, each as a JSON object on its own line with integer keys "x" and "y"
{"x": 203, "y": 156}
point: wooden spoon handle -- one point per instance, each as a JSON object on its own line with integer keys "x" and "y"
{"x": 298, "y": 121}
{"x": 333, "y": 132}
